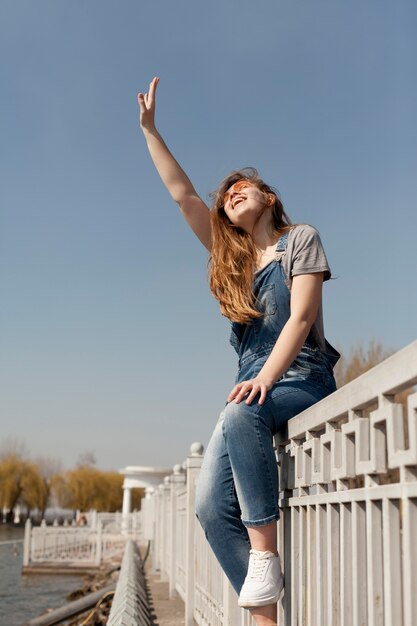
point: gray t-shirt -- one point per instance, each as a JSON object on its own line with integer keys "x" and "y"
{"x": 304, "y": 255}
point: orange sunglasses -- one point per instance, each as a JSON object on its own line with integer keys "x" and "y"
{"x": 241, "y": 184}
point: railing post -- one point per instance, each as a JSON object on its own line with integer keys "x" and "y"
{"x": 160, "y": 527}
{"x": 44, "y": 538}
{"x": 194, "y": 462}
{"x": 148, "y": 534}
{"x": 148, "y": 515}
{"x": 226, "y": 600}
{"x": 126, "y": 508}
{"x": 165, "y": 492}
{"x": 99, "y": 543}
{"x": 177, "y": 478}
{"x": 26, "y": 544}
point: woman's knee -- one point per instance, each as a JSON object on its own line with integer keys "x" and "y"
{"x": 205, "y": 507}
{"x": 212, "y": 501}
{"x": 205, "y": 496}
{"x": 238, "y": 417}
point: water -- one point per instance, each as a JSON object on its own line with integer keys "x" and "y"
{"x": 25, "y": 597}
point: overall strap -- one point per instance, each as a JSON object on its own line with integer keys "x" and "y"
{"x": 281, "y": 246}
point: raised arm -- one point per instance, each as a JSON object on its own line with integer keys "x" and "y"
{"x": 195, "y": 211}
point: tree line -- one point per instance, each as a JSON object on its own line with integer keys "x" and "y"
{"x": 37, "y": 484}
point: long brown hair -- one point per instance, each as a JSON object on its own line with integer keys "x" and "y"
{"x": 233, "y": 254}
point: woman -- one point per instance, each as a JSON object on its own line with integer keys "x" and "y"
{"x": 267, "y": 275}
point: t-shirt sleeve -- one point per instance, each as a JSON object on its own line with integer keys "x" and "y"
{"x": 308, "y": 254}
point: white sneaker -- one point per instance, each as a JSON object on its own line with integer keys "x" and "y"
{"x": 264, "y": 581}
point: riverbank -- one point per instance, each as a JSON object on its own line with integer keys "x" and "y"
{"x": 165, "y": 611}
{"x": 91, "y": 583}
{"x": 23, "y": 597}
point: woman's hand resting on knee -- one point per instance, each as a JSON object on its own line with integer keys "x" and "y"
{"x": 253, "y": 387}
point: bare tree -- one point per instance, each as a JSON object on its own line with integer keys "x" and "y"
{"x": 48, "y": 468}
{"x": 13, "y": 447}
{"x": 86, "y": 459}
{"x": 360, "y": 360}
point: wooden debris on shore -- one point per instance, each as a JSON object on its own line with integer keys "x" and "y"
{"x": 57, "y": 616}
{"x": 95, "y": 597}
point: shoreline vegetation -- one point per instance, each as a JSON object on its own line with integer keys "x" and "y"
{"x": 40, "y": 488}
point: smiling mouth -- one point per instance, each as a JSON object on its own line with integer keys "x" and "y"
{"x": 238, "y": 202}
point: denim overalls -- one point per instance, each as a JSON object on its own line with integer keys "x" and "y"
{"x": 238, "y": 482}
{"x": 254, "y": 342}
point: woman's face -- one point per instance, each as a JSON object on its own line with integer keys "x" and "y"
{"x": 243, "y": 202}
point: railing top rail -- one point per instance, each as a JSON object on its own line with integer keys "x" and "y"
{"x": 69, "y": 530}
{"x": 394, "y": 374}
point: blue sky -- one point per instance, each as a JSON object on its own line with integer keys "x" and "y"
{"x": 110, "y": 338}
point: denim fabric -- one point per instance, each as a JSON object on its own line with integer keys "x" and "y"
{"x": 237, "y": 486}
{"x": 253, "y": 342}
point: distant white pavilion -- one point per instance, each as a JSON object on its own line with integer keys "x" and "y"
{"x": 140, "y": 476}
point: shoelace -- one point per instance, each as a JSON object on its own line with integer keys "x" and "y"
{"x": 257, "y": 567}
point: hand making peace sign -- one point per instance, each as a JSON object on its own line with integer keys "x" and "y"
{"x": 147, "y": 106}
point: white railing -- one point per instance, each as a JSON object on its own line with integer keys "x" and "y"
{"x": 80, "y": 545}
{"x": 114, "y": 522}
{"x": 348, "y": 500}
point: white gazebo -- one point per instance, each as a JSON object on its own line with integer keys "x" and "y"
{"x": 140, "y": 476}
